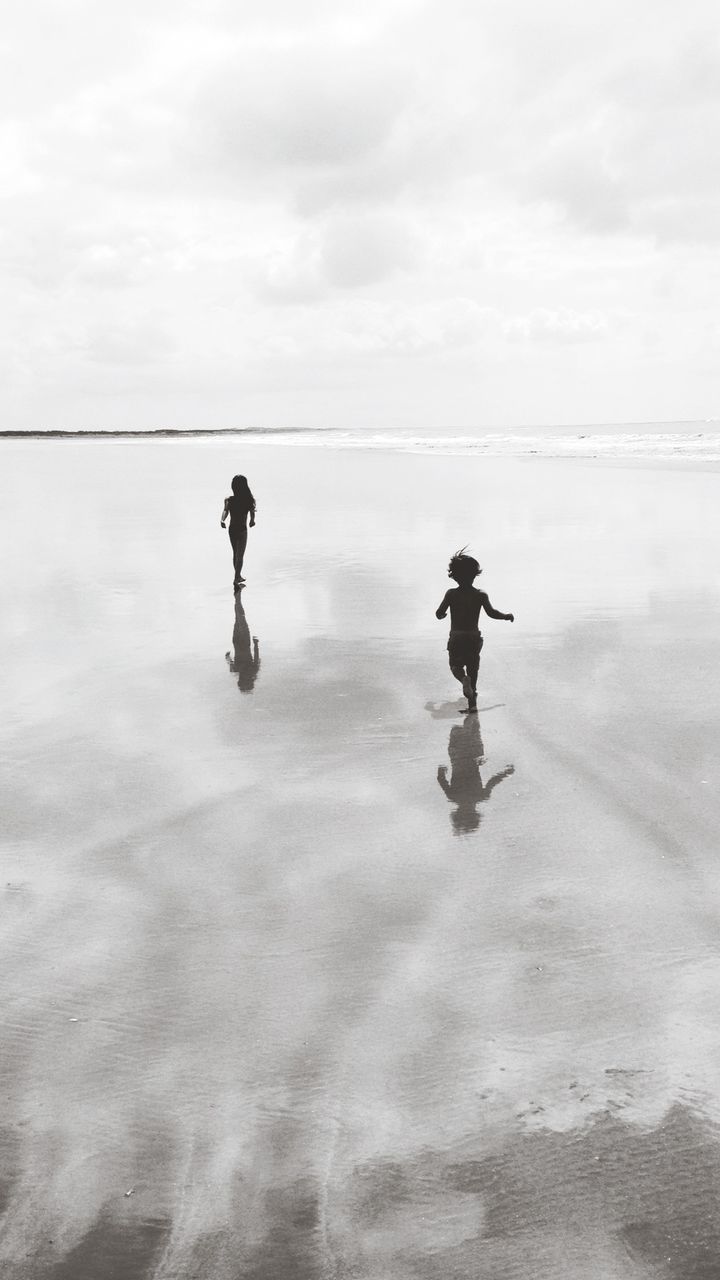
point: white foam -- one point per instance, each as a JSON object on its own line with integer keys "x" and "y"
{"x": 659, "y": 445}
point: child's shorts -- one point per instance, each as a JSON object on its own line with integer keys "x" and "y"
{"x": 464, "y": 647}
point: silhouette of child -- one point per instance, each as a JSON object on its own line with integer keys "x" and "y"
{"x": 465, "y": 603}
{"x": 238, "y": 507}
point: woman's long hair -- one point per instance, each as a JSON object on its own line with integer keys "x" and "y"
{"x": 241, "y": 489}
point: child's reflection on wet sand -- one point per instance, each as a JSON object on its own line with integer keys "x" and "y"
{"x": 466, "y": 789}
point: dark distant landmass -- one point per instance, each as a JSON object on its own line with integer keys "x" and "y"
{"x": 163, "y": 431}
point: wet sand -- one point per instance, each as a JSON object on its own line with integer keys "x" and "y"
{"x": 304, "y": 973}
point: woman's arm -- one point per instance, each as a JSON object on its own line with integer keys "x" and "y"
{"x": 224, "y": 515}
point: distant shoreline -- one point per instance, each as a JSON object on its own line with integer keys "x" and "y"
{"x": 54, "y": 434}
{"x": 698, "y": 443}
{"x": 373, "y": 434}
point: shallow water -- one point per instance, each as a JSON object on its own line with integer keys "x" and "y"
{"x": 303, "y": 973}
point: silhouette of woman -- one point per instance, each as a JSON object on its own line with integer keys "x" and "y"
{"x": 238, "y": 507}
{"x": 466, "y": 788}
{"x": 243, "y": 660}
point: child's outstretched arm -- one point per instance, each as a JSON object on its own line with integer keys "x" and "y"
{"x": 443, "y": 780}
{"x": 495, "y": 613}
{"x": 497, "y": 777}
{"x": 224, "y": 515}
{"x": 443, "y": 607}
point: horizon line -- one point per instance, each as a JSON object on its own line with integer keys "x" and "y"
{"x": 128, "y": 432}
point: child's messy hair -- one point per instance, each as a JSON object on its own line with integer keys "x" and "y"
{"x": 463, "y": 569}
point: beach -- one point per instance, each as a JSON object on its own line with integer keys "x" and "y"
{"x": 304, "y": 973}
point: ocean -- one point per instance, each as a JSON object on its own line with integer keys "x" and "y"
{"x": 697, "y": 440}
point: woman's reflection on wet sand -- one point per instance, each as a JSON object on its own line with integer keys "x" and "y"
{"x": 244, "y": 659}
{"x": 466, "y": 788}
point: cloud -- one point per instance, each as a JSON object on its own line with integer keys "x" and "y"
{"x": 359, "y": 327}
{"x": 138, "y": 342}
{"x": 363, "y": 250}
{"x": 104, "y": 255}
{"x": 576, "y": 176}
{"x": 347, "y": 252}
{"x": 625, "y": 139}
{"x": 450, "y": 324}
{"x": 406, "y": 177}
{"x": 318, "y": 107}
{"x": 484, "y": 106}
{"x": 291, "y": 272}
{"x": 542, "y": 325}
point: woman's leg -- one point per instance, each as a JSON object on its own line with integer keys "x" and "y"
{"x": 239, "y": 543}
{"x": 231, "y": 536}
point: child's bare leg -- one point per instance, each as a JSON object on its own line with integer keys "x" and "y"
{"x": 460, "y": 674}
{"x": 458, "y": 671}
{"x": 473, "y": 667}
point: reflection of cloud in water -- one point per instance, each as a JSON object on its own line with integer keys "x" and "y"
{"x": 122, "y": 1247}
{"x": 309, "y": 1041}
{"x": 613, "y": 1200}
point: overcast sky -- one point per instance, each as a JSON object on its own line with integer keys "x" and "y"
{"x": 394, "y": 213}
